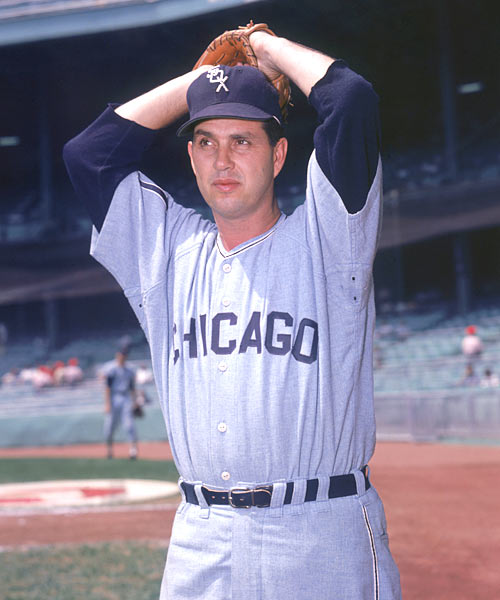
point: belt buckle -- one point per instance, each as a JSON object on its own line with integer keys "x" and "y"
{"x": 240, "y": 491}
{"x": 252, "y": 497}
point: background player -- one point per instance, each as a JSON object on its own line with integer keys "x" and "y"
{"x": 119, "y": 402}
{"x": 260, "y": 326}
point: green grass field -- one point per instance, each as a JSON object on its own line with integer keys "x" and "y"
{"x": 14, "y": 470}
{"x": 118, "y": 571}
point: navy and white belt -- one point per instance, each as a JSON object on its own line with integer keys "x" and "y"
{"x": 340, "y": 486}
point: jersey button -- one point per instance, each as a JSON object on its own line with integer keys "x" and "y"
{"x": 226, "y": 301}
{"x": 225, "y": 475}
{"x": 226, "y": 267}
{"x": 222, "y": 366}
{"x": 222, "y": 427}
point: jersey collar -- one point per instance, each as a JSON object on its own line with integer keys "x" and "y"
{"x": 249, "y": 243}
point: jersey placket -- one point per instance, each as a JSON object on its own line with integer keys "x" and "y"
{"x": 223, "y": 365}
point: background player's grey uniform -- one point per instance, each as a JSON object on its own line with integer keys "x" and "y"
{"x": 263, "y": 361}
{"x": 120, "y": 381}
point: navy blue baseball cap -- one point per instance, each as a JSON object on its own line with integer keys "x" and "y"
{"x": 224, "y": 92}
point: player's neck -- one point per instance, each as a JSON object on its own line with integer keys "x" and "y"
{"x": 234, "y": 232}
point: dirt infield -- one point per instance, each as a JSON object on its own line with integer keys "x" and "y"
{"x": 149, "y": 450}
{"x": 441, "y": 503}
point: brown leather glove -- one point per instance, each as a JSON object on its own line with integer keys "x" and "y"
{"x": 233, "y": 47}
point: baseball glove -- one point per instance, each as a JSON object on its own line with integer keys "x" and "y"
{"x": 137, "y": 411}
{"x": 233, "y": 47}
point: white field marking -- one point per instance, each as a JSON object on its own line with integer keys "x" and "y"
{"x": 83, "y": 493}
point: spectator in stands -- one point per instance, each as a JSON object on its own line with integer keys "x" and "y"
{"x": 472, "y": 345}
{"x": 119, "y": 405}
{"x": 143, "y": 375}
{"x": 73, "y": 373}
{"x": 470, "y": 379}
{"x": 26, "y": 375}
{"x": 12, "y": 377}
{"x": 58, "y": 372}
{"x": 42, "y": 377}
{"x": 489, "y": 379}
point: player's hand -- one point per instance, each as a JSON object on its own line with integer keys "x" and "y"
{"x": 107, "y": 407}
{"x": 261, "y": 42}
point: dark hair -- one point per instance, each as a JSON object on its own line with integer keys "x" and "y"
{"x": 275, "y": 131}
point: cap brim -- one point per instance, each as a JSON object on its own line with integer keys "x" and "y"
{"x": 225, "y": 110}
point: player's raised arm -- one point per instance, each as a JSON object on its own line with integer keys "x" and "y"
{"x": 162, "y": 105}
{"x": 102, "y": 155}
{"x": 347, "y": 140}
{"x": 304, "y": 66}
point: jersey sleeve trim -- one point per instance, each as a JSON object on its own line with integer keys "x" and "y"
{"x": 155, "y": 189}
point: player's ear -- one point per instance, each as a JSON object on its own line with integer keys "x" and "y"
{"x": 190, "y": 152}
{"x": 279, "y": 155}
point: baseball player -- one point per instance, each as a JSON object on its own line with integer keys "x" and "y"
{"x": 119, "y": 402}
{"x": 260, "y": 325}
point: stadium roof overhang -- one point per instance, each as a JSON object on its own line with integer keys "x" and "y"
{"x": 20, "y": 286}
{"x": 424, "y": 214}
{"x": 22, "y": 22}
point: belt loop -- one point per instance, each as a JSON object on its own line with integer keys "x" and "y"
{"x": 278, "y": 496}
{"x": 323, "y": 487}
{"x": 181, "y": 489}
{"x": 359, "y": 476}
{"x": 277, "y": 499}
{"x": 299, "y": 491}
{"x": 204, "y": 507}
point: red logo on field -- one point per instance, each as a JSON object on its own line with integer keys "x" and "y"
{"x": 39, "y": 495}
{"x": 75, "y": 493}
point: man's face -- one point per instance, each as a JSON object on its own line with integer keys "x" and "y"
{"x": 235, "y": 166}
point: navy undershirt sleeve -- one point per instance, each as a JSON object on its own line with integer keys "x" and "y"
{"x": 347, "y": 139}
{"x": 103, "y": 155}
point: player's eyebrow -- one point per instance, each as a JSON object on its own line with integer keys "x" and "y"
{"x": 243, "y": 135}
{"x": 202, "y": 132}
{"x": 236, "y": 136}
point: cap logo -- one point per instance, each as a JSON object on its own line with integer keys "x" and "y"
{"x": 216, "y": 75}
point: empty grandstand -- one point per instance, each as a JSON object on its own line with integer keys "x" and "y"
{"x": 434, "y": 67}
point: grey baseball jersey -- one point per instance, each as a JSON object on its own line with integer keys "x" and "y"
{"x": 265, "y": 346}
{"x": 263, "y": 361}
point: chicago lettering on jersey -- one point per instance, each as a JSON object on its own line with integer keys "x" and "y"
{"x": 276, "y": 335}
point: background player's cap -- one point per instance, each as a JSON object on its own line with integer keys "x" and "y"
{"x": 224, "y": 92}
